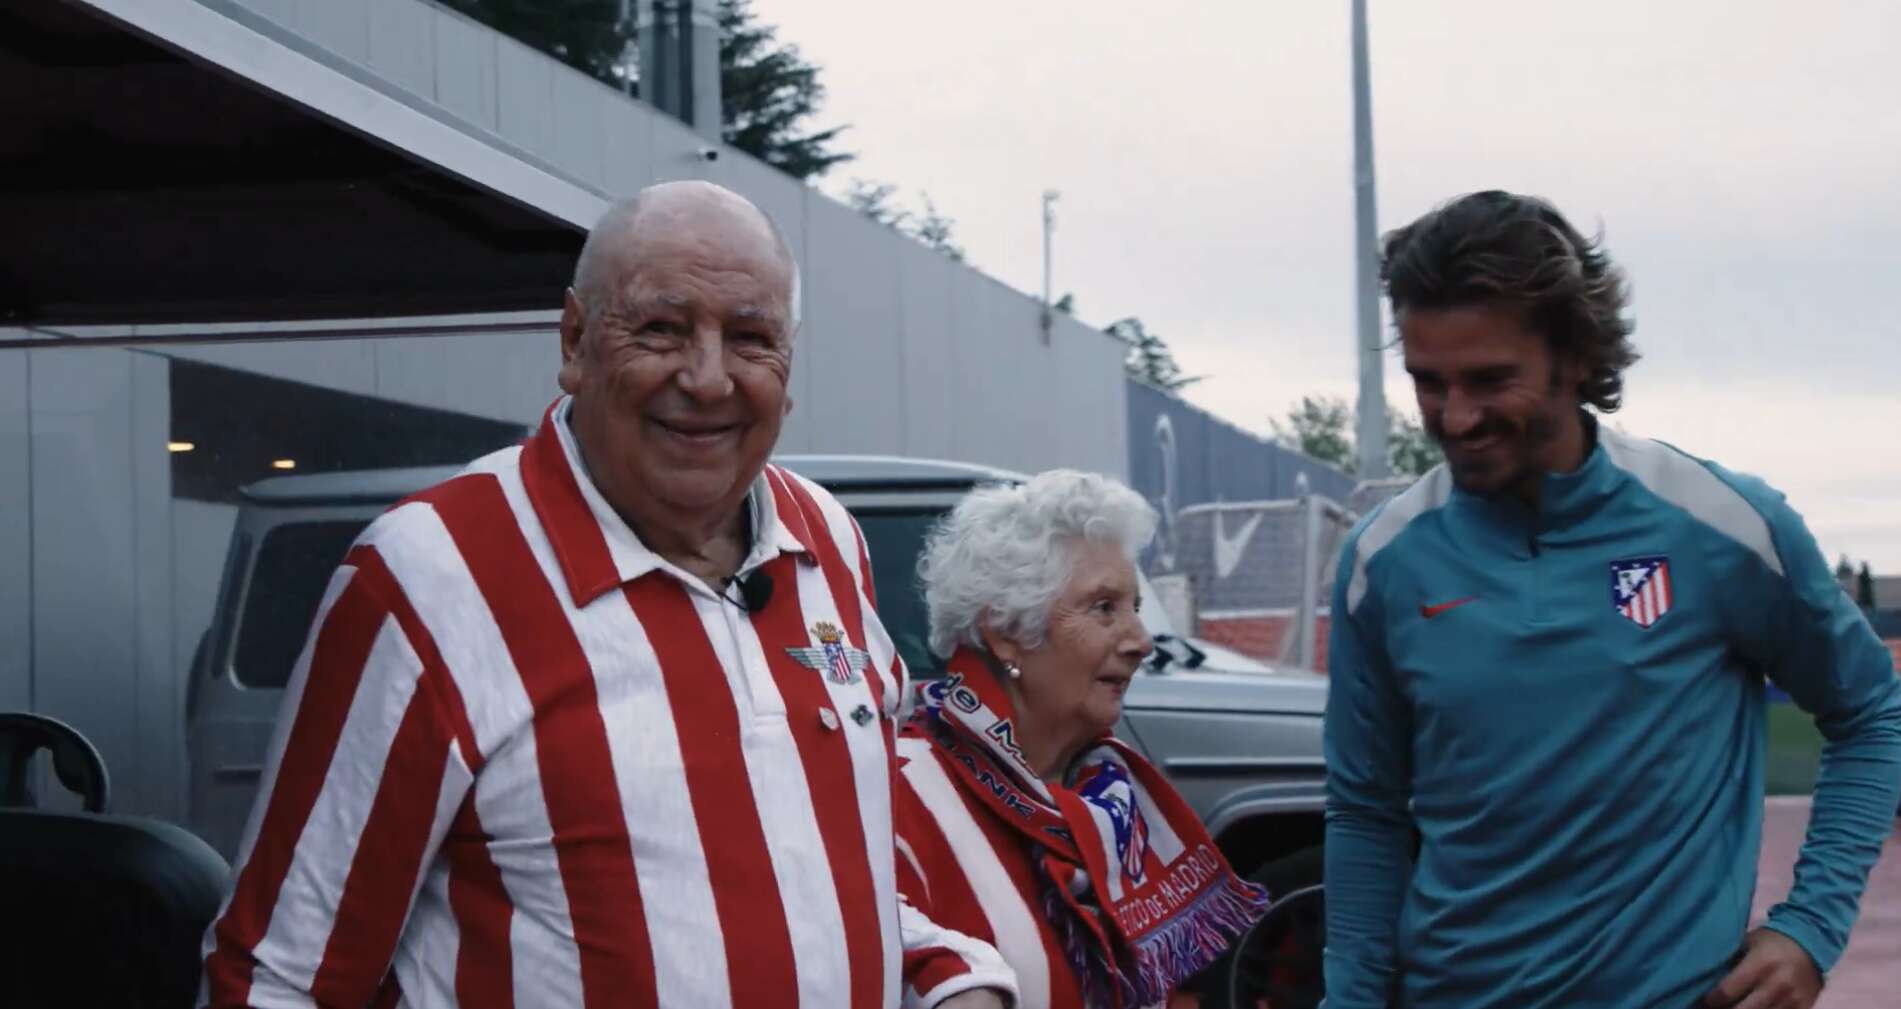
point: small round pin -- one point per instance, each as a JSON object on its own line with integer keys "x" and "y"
{"x": 828, "y": 718}
{"x": 862, "y": 715}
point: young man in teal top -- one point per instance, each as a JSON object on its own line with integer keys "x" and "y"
{"x": 1548, "y": 661}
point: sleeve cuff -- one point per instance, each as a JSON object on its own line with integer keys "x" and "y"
{"x": 1805, "y": 936}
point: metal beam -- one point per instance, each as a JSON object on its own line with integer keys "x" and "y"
{"x": 275, "y": 64}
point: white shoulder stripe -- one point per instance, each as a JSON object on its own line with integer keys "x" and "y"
{"x": 1428, "y": 493}
{"x": 1687, "y": 483}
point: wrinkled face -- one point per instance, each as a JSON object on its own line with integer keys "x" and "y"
{"x": 1490, "y": 393}
{"x": 678, "y": 360}
{"x": 1073, "y": 683}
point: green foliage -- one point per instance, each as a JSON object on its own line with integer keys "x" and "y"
{"x": 927, "y": 224}
{"x": 1322, "y": 427}
{"x": 1149, "y": 359}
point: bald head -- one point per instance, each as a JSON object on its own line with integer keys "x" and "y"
{"x": 689, "y": 212}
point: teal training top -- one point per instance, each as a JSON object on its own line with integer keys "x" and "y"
{"x": 1567, "y": 704}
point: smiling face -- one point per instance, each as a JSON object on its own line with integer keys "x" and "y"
{"x": 1072, "y": 684}
{"x": 677, "y": 347}
{"x": 1493, "y": 397}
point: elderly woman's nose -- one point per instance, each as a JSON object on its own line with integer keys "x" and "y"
{"x": 1135, "y": 638}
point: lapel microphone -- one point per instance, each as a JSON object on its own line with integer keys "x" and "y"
{"x": 755, "y": 590}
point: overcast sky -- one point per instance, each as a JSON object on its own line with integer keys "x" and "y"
{"x": 1742, "y": 158}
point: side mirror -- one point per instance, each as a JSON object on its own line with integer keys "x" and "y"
{"x": 1173, "y": 650}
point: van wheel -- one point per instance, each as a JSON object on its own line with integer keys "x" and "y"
{"x": 1276, "y": 964}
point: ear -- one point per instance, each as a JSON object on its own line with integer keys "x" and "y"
{"x": 573, "y": 331}
{"x": 999, "y": 645}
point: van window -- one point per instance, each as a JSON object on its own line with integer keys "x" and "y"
{"x": 895, "y": 540}
{"x": 294, "y": 565}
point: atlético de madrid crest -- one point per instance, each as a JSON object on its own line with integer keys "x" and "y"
{"x": 1641, "y": 589}
{"x": 834, "y": 656}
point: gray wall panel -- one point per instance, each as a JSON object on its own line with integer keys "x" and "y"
{"x": 465, "y": 68}
{"x": 156, "y": 786}
{"x": 16, "y": 582}
{"x": 1091, "y": 402}
{"x": 524, "y": 96}
{"x": 507, "y": 376}
{"x": 575, "y": 133}
{"x": 676, "y": 150}
{"x": 277, "y": 10}
{"x": 627, "y": 146}
{"x": 403, "y": 45}
{"x": 926, "y": 320}
{"x": 85, "y": 585}
{"x": 852, "y": 342}
{"x": 341, "y": 26}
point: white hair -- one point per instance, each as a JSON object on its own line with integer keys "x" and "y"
{"x": 1004, "y": 554}
{"x": 620, "y": 217}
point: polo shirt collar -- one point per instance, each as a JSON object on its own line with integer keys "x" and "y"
{"x": 594, "y": 546}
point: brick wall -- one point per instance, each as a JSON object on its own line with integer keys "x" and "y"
{"x": 1263, "y": 638}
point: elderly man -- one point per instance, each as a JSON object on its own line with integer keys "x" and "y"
{"x": 1549, "y": 658}
{"x": 605, "y": 720}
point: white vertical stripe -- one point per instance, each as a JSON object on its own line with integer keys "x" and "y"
{"x": 508, "y": 794}
{"x": 871, "y": 768}
{"x": 783, "y": 795}
{"x": 1106, "y": 835}
{"x": 1011, "y": 920}
{"x": 643, "y": 741}
{"x": 306, "y": 907}
{"x": 280, "y": 733}
{"x": 425, "y": 960}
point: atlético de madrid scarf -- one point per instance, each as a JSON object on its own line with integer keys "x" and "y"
{"x": 1119, "y": 840}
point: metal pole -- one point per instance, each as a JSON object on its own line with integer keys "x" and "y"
{"x": 1309, "y": 611}
{"x": 1371, "y": 434}
{"x": 1049, "y": 226}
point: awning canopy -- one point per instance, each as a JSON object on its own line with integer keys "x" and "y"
{"x": 162, "y": 162}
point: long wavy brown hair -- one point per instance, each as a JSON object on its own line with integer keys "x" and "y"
{"x": 1499, "y": 248}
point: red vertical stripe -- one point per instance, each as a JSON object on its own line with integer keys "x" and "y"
{"x": 484, "y": 967}
{"x": 377, "y": 890}
{"x": 572, "y": 530}
{"x": 341, "y": 650}
{"x": 791, "y": 496}
{"x": 1015, "y": 856}
{"x": 592, "y": 850}
{"x": 826, "y": 756}
{"x": 752, "y": 918}
{"x": 1663, "y": 588}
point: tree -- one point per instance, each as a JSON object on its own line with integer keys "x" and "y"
{"x": 767, "y": 89}
{"x": 1865, "y": 587}
{"x": 1410, "y": 451}
{"x": 1322, "y": 427}
{"x": 1149, "y": 359}
{"x": 928, "y": 225}
{"x": 767, "y": 92}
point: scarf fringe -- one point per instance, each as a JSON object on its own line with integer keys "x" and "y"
{"x": 1196, "y": 937}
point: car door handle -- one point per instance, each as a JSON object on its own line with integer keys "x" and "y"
{"x": 241, "y": 773}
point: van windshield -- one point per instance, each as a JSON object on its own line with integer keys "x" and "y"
{"x": 293, "y": 568}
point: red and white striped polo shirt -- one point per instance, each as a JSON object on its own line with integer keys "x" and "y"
{"x": 525, "y": 761}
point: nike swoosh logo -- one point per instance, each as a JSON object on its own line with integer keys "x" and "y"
{"x": 1228, "y": 549}
{"x": 1432, "y": 611}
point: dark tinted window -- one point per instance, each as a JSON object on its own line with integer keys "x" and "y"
{"x": 293, "y": 568}
{"x": 895, "y": 538}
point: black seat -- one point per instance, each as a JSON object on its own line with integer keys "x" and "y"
{"x": 103, "y": 910}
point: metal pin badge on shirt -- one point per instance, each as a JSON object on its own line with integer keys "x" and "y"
{"x": 862, "y": 714}
{"x": 828, "y": 718}
{"x": 834, "y": 656}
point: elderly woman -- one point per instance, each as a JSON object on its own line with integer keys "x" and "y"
{"x": 1021, "y": 820}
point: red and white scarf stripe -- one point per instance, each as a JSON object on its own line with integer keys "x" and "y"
{"x": 1138, "y": 890}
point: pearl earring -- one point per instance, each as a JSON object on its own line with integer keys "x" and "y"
{"x": 1015, "y": 671}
